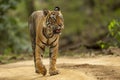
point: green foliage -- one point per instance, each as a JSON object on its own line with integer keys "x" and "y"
{"x": 103, "y": 44}
{"x": 12, "y": 30}
{"x": 5, "y": 5}
{"x": 113, "y": 35}
{"x": 114, "y": 29}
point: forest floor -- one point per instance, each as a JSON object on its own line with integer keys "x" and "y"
{"x": 71, "y": 68}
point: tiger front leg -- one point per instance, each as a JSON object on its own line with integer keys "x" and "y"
{"x": 53, "y": 57}
{"x": 40, "y": 68}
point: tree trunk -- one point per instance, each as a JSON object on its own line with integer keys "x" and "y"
{"x": 30, "y": 6}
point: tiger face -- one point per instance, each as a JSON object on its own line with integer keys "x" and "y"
{"x": 54, "y": 21}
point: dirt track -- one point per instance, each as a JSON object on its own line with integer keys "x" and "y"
{"x": 99, "y": 68}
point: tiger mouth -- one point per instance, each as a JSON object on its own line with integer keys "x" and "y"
{"x": 57, "y": 31}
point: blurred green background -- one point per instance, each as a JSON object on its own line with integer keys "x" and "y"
{"x": 86, "y": 22}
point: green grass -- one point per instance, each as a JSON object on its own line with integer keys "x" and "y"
{"x": 9, "y": 58}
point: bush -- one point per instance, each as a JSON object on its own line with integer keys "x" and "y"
{"x": 113, "y": 37}
{"x": 12, "y": 30}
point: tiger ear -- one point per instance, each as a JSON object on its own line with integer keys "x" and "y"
{"x": 45, "y": 12}
{"x": 57, "y": 9}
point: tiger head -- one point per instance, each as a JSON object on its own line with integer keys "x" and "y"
{"x": 54, "y": 20}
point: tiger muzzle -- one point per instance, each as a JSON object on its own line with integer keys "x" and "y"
{"x": 57, "y": 30}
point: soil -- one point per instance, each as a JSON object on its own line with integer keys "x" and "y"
{"x": 97, "y": 68}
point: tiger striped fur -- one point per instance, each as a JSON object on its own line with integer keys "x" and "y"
{"x": 45, "y": 28}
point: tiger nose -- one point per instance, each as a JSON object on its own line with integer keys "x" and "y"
{"x": 59, "y": 27}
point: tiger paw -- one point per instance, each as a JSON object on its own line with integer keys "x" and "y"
{"x": 54, "y": 72}
{"x": 41, "y": 70}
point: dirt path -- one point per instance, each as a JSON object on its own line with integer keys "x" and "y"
{"x": 99, "y": 68}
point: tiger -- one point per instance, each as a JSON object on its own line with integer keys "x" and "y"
{"x": 45, "y": 27}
